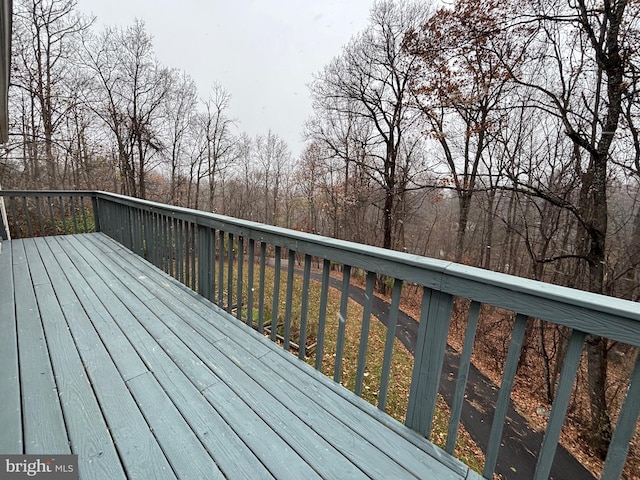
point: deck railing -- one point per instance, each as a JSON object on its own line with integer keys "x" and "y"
{"x": 226, "y": 260}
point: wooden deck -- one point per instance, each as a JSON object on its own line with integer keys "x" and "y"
{"x": 105, "y": 356}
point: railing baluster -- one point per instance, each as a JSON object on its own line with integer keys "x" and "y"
{"x": 192, "y": 231}
{"x": 212, "y": 273}
{"x": 304, "y": 308}
{"x": 163, "y": 242}
{"x": 463, "y": 375}
{"x": 63, "y": 220}
{"x": 73, "y": 214}
{"x": 149, "y": 236}
{"x": 289, "y": 299}
{"x": 173, "y": 255}
{"x": 84, "y": 214}
{"x": 145, "y": 236}
{"x": 136, "y": 230}
{"x": 40, "y": 221}
{"x": 625, "y": 428}
{"x": 16, "y": 226}
{"x": 250, "y": 273}
{"x": 322, "y": 317}
{"x": 342, "y": 322}
{"x": 230, "y": 273}
{"x": 506, "y": 385}
{"x": 240, "y": 279}
{"x": 388, "y": 347}
{"x": 96, "y": 213}
{"x": 52, "y": 218}
{"x": 221, "y": 268}
{"x": 276, "y": 292}
{"x": 179, "y": 250}
{"x": 187, "y": 253}
{"x": 364, "y": 332}
{"x": 212, "y": 265}
{"x": 263, "y": 256}
{"x": 559, "y": 410}
{"x": 27, "y": 216}
{"x": 203, "y": 264}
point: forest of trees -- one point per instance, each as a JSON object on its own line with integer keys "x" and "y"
{"x": 498, "y": 133}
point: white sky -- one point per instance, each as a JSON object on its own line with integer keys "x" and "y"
{"x": 263, "y": 52}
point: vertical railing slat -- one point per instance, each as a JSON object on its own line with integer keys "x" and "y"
{"x": 388, "y": 346}
{"x": 625, "y": 428}
{"x": 164, "y": 235}
{"x": 96, "y": 213}
{"x": 73, "y": 214}
{"x": 364, "y": 332}
{"x": 263, "y": 256}
{"x": 145, "y": 235}
{"x": 173, "y": 255}
{"x": 14, "y": 215}
{"x": 62, "y": 216}
{"x": 230, "y": 238}
{"x": 559, "y": 410}
{"x": 342, "y": 322}
{"x": 193, "y": 255}
{"x": 40, "y": 220}
{"x": 202, "y": 261}
{"x": 187, "y": 253}
{"x": 506, "y": 385}
{"x": 84, "y": 214}
{"x": 52, "y": 217}
{"x": 221, "y": 244}
{"x": 25, "y": 207}
{"x": 463, "y": 375}
{"x": 212, "y": 264}
{"x": 289, "y": 299}
{"x": 240, "y": 275}
{"x": 322, "y": 316}
{"x": 304, "y": 308}
{"x": 276, "y": 293}
{"x": 139, "y": 228}
{"x": 250, "y": 279}
{"x": 179, "y": 251}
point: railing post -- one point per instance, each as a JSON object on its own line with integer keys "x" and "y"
{"x": 429, "y": 358}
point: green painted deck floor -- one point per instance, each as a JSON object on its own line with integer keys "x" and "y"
{"x": 105, "y": 356}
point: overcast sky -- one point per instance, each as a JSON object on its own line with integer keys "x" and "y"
{"x": 263, "y": 52}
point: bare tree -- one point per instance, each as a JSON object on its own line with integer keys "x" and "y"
{"x": 130, "y": 88}
{"x": 581, "y": 48}
{"x": 216, "y": 140}
{"x": 461, "y": 86}
{"x": 369, "y": 80}
{"x": 273, "y": 156}
{"x": 179, "y": 110}
{"x": 45, "y": 39}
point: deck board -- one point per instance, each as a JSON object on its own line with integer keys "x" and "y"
{"x": 142, "y": 378}
{"x": 11, "y": 411}
{"x": 83, "y": 418}
{"x": 43, "y": 422}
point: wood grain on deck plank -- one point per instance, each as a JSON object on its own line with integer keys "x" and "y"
{"x": 11, "y": 411}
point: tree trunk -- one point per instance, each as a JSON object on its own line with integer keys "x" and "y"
{"x": 464, "y": 205}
